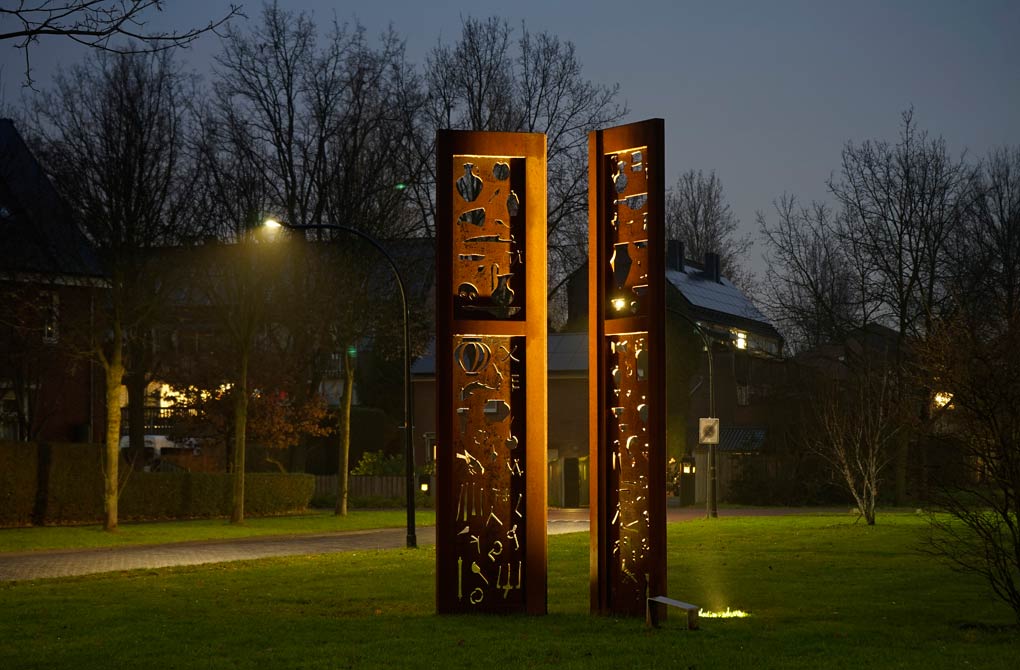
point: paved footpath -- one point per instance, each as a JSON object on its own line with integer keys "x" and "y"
{"x": 65, "y": 563}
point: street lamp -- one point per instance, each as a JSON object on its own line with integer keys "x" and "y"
{"x": 712, "y": 502}
{"x": 412, "y": 540}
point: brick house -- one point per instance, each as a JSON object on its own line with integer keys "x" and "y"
{"x": 48, "y": 283}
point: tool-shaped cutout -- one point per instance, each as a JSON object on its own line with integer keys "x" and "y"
{"x": 482, "y": 239}
{"x": 471, "y": 387}
{"x": 471, "y": 461}
{"x": 506, "y": 587}
{"x": 496, "y": 410}
{"x": 511, "y": 535}
{"x": 634, "y": 202}
{"x": 477, "y": 569}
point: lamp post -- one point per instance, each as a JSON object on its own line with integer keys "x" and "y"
{"x": 412, "y": 540}
{"x": 712, "y": 502}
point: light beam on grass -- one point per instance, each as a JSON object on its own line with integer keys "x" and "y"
{"x": 728, "y": 614}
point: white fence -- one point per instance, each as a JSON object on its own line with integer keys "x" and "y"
{"x": 363, "y": 486}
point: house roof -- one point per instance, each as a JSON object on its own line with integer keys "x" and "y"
{"x": 39, "y": 235}
{"x": 719, "y": 301}
{"x": 719, "y": 296}
{"x": 702, "y": 297}
{"x": 567, "y": 354}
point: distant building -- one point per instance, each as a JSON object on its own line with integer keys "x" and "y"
{"x": 48, "y": 282}
{"x": 746, "y": 352}
{"x": 745, "y": 348}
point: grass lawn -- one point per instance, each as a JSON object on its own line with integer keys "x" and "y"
{"x": 66, "y": 537}
{"x": 823, "y": 592}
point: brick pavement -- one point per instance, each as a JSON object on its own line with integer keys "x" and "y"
{"x": 65, "y": 563}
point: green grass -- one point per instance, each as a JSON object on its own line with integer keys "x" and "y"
{"x": 823, "y": 593}
{"x": 89, "y": 537}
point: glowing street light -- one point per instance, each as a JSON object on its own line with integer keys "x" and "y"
{"x": 412, "y": 540}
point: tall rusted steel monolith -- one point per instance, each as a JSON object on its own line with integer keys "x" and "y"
{"x": 626, "y": 367}
{"x": 491, "y": 391}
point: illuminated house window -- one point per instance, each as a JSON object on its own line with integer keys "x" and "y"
{"x": 942, "y": 400}
{"x": 51, "y": 317}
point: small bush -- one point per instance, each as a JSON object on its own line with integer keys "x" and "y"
{"x": 377, "y": 463}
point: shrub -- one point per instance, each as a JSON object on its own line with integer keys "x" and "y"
{"x": 74, "y": 489}
{"x": 379, "y": 464}
{"x": 267, "y": 494}
{"x": 63, "y": 484}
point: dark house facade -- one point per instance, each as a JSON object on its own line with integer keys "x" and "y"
{"x": 723, "y": 361}
{"x": 48, "y": 282}
{"x": 745, "y": 350}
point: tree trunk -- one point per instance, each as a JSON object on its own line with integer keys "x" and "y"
{"x": 111, "y": 471}
{"x": 343, "y": 457}
{"x": 240, "y": 421}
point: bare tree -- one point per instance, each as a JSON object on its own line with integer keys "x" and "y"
{"x": 111, "y": 134}
{"x": 901, "y": 204}
{"x": 813, "y": 289}
{"x": 326, "y": 126}
{"x": 698, "y": 215}
{"x": 881, "y": 258}
{"x": 972, "y": 359}
{"x": 95, "y": 23}
{"x": 490, "y": 80}
{"x": 855, "y": 422}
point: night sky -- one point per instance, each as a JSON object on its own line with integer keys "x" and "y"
{"x": 764, "y": 93}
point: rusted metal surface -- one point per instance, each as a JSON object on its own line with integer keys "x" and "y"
{"x": 491, "y": 385}
{"x": 626, "y": 371}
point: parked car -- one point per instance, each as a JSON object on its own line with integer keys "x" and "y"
{"x": 154, "y": 445}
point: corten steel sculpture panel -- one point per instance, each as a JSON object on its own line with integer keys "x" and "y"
{"x": 626, "y": 367}
{"x": 491, "y": 372}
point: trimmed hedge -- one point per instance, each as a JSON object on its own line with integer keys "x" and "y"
{"x": 71, "y": 489}
{"x": 18, "y": 474}
{"x": 75, "y": 484}
{"x": 271, "y": 493}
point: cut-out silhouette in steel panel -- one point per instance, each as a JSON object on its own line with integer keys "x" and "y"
{"x": 490, "y": 373}
{"x": 489, "y": 238}
{"x": 626, "y": 367}
{"x": 489, "y": 467}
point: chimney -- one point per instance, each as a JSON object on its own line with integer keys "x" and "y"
{"x": 675, "y": 255}
{"x": 712, "y": 266}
